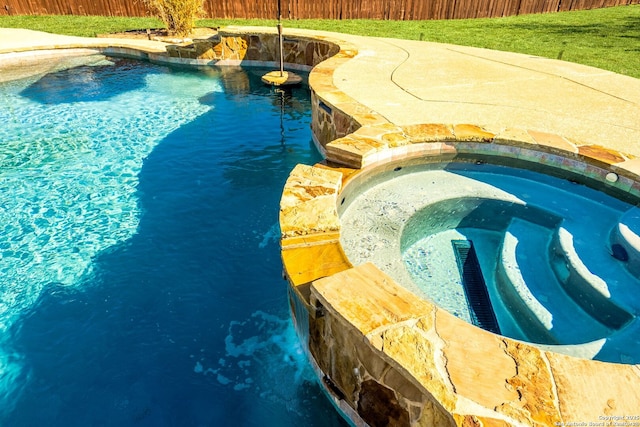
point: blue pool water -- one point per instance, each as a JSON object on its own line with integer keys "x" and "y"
{"x": 141, "y": 281}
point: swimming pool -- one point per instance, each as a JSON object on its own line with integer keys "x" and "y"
{"x": 141, "y": 281}
{"x": 543, "y": 247}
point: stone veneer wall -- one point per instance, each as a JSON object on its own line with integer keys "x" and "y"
{"x": 299, "y": 51}
{"x": 389, "y": 358}
{"x": 331, "y": 113}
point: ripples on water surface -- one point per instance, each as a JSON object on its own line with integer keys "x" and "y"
{"x": 140, "y": 275}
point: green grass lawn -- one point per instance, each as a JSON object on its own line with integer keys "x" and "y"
{"x": 606, "y": 38}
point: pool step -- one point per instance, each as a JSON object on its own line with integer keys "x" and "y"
{"x": 475, "y": 288}
{"x": 532, "y": 292}
{"x": 588, "y": 272}
{"x": 626, "y": 234}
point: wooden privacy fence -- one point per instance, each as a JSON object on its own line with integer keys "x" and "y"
{"x": 323, "y": 9}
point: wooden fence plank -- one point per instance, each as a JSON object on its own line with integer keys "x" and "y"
{"x": 314, "y": 9}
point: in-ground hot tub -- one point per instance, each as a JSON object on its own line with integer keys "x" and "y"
{"x": 524, "y": 254}
{"x": 445, "y": 275}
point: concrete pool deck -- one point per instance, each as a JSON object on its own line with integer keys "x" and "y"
{"x": 412, "y": 82}
{"x": 384, "y": 354}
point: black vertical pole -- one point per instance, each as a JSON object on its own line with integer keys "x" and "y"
{"x": 280, "y": 37}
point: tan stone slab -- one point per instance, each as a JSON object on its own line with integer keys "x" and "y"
{"x": 335, "y": 97}
{"x": 429, "y": 132}
{"x": 472, "y": 133}
{"x": 377, "y": 131}
{"x": 498, "y": 373}
{"x": 321, "y": 80}
{"x": 419, "y": 355}
{"x": 553, "y": 141}
{"x": 395, "y": 139}
{"x": 480, "y": 421}
{"x": 352, "y": 150}
{"x": 298, "y": 193}
{"x": 345, "y": 171}
{"x": 601, "y": 155}
{"x": 317, "y": 215}
{"x": 389, "y": 134}
{"x": 310, "y": 182}
{"x": 476, "y": 362}
{"x": 610, "y": 389}
{"x": 306, "y": 264}
{"x": 515, "y": 136}
{"x": 308, "y": 203}
{"x": 537, "y": 402}
{"x": 368, "y": 298}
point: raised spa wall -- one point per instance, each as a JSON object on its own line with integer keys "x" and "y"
{"x": 388, "y": 357}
